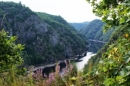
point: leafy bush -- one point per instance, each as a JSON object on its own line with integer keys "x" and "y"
{"x": 112, "y": 68}
{"x": 9, "y": 51}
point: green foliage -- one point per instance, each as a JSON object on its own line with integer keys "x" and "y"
{"x": 11, "y": 78}
{"x": 94, "y": 30}
{"x": 114, "y": 12}
{"x": 12, "y": 9}
{"x": 70, "y": 77}
{"x": 68, "y": 36}
{"x": 46, "y": 37}
{"x": 95, "y": 46}
{"x": 52, "y": 20}
{"x": 10, "y": 52}
{"x": 110, "y": 67}
{"x": 114, "y": 36}
{"x": 113, "y": 66}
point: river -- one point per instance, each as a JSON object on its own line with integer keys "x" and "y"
{"x": 80, "y": 65}
{"x": 93, "y": 48}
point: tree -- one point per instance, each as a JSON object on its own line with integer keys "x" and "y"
{"x": 9, "y": 51}
{"x": 113, "y": 66}
{"x": 113, "y": 12}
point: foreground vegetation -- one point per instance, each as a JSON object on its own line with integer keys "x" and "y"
{"x": 12, "y": 73}
{"x": 111, "y": 65}
{"x": 109, "y": 68}
{"x": 67, "y": 78}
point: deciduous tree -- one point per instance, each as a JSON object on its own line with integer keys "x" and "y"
{"x": 113, "y": 12}
{"x": 9, "y": 51}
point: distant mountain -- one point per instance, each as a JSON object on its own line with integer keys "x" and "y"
{"x": 47, "y": 38}
{"x": 94, "y": 30}
{"x": 79, "y": 26}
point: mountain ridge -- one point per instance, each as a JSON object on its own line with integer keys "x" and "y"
{"x": 46, "y": 40}
{"x": 80, "y": 25}
{"x": 94, "y": 30}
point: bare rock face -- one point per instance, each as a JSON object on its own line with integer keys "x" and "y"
{"x": 54, "y": 39}
{"x": 46, "y": 37}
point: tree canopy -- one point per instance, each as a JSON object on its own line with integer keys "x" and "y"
{"x": 112, "y": 66}
{"x": 113, "y": 12}
{"x": 9, "y": 51}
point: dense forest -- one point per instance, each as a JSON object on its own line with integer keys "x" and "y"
{"x": 47, "y": 38}
{"x": 109, "y": 67}
{"x": 94, "y": 30}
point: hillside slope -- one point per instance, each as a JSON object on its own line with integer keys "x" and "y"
{"x": 79, "y": 26}
{"x": 47, "y": 38}
{"x": 94, "y": 31}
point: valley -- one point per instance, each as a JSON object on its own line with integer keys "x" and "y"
{"x": 42, "y": 49}
{"x": 47, "y": 38}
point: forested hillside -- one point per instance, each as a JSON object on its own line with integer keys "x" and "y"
{"x": 47, "y": 38}
{"x": 79, "y": 26}
{"x": 111, "y": 65}
{"x": 94, "y": 30}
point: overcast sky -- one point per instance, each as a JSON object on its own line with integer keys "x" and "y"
{"x": 70, "y": 10}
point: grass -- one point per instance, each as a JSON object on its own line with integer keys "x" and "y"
{"x": 69, "y": 77}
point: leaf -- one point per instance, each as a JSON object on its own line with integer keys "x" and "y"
{"x": 101, "y": 61}
{"x": 115, "y": 49}
{"x": 120, "y": 79}
{"x": 73, "y": 78}
{"x": 89, "y": 81}
{"x": 128, "y": 73}
{"x": 128, "y": 67}
{"x": 129, "y": 52}
{"x": 122, "y": 20}
{"x": 127, "y": 60}
{"x": 128, "y": 20}
{"x": 108, "y": 82}
{"x": 104, "y": 69}
{"x": 126, "y": 35}
{"x": 121, "y": 73}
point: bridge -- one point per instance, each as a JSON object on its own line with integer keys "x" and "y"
{"x": 97, "y": 41}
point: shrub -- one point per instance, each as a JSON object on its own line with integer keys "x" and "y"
{"x": 9, "y": 51}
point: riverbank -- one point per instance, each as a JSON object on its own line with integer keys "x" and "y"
{"x": 61, "y": 62}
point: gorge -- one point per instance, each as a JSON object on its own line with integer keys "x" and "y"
{"x": 44, "y": 41}
{"x": 47, "y": 38}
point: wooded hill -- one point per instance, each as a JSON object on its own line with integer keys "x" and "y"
{"x": 94, "y": 30}
{"x": 79, "y": 26}
{"x": 47, "y": 38}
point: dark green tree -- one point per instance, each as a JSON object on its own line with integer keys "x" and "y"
{"x": 9, "y": 51}
{"x": 113, "y": 12}
{"x": 113, "y": 66}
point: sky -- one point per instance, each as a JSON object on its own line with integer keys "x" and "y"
{"x": 71, "y": 10}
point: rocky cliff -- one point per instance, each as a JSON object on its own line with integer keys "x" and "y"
{"x": 47, "y": 38}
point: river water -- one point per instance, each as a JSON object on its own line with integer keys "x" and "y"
{"x": 84, "y": 60}
{"x": 93, "y": 48}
